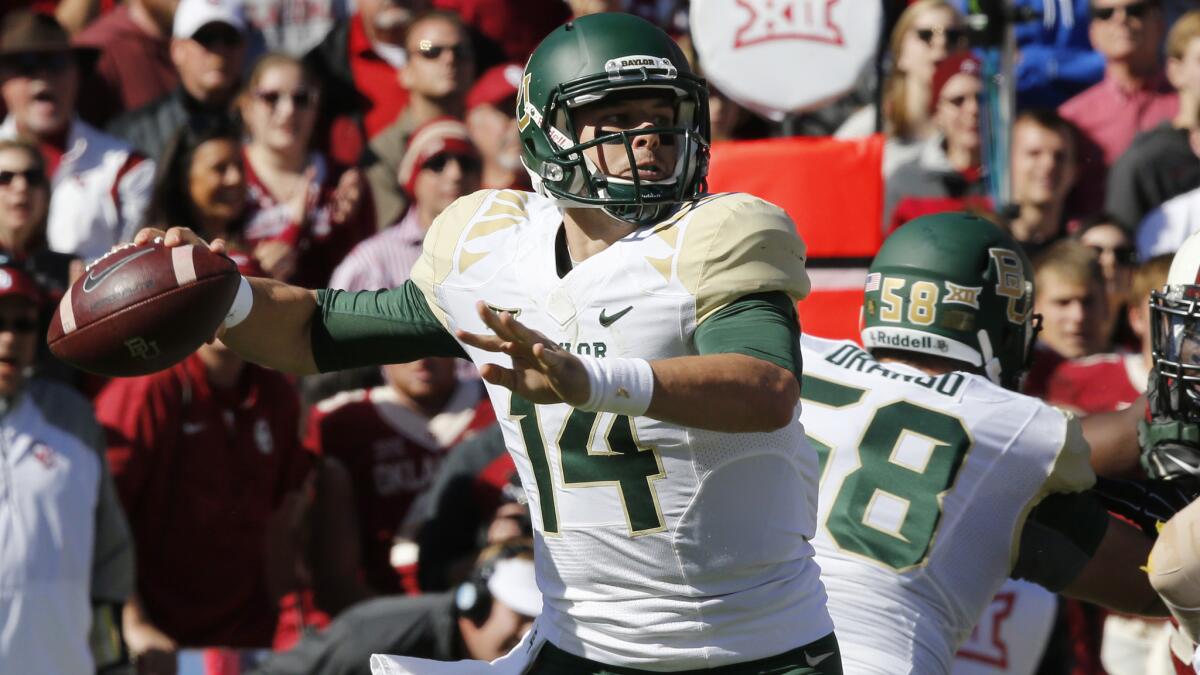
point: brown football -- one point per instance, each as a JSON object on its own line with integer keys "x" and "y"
{"x": 142, "y": 308}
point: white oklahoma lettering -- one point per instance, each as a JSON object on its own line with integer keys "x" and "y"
{"x": 788, "y": 20}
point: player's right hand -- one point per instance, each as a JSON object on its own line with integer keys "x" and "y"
{"x": 178, "y": 236}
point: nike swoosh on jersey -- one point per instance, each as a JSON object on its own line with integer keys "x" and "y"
{"x": 91, "y": 282}
{"x": 814, "y": 661}
{"x": 607, "y": 321}
{"x": 190, "y": 428}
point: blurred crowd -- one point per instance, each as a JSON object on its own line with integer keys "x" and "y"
{"x": 218, "y": 504}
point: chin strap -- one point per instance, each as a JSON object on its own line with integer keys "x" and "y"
{"x": 991, "y": 364}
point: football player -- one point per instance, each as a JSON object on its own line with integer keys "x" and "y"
{"x": 939, "y": 481}
{"x": 1171, "y": 437}
{"x": 639, "y": 341}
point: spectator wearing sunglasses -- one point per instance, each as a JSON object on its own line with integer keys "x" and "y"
{"x": 67, "y": 562}
{"x": 1163, "y": 162}
{"x": 1134, "y": 95}
{"x": 1114, "y": 249}
{"x": 304, "y": 213}
{"x": 926, "y": 33}
{"x": 100, "y": 186}
{"x": 441, "y": 165}
{"x": 1043, "y": 171}
{"x": 946, "y": 174}
{"x": 359, "y": 63}
{"x": 24, "y": 207}
{"x": 440, "y": 70}
{"x": 208, "y": 48}
{"x": 135, "y": 66}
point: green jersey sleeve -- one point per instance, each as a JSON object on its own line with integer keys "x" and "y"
{"x": 763, "y": 325}
{"x": 368, "y": 328}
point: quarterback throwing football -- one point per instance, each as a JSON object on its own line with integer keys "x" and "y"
{"x": 638, "y": 340}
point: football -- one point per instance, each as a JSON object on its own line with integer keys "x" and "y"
{"x": 142, "y": 308}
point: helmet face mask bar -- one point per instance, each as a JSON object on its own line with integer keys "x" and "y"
{"x": 623, "y": 57}
{"x": 1175, "y": 349}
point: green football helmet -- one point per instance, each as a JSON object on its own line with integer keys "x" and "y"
{"x": 583, "y": 62}
{"x": 956, "y": 286}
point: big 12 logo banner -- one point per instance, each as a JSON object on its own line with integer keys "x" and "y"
{"x": 785, "y": 56}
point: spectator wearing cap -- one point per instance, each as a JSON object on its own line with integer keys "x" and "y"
{"x": 440, "y": 166}
{"x": 208, "y": 48}
{"x": 134, "y": 67}
{"x": 947, "y": 174}
{"x": 100, "y": 186}
{"x": 1162, "y": 162}
{"x": 439, "y": 72}
{"x": 203, "y": 454}
{"x": 304, "y": 213}
{"x": 359, "y": 62}
{"x": 492, "y": 123}
{"x": 482, "y": 619}
{"x": 1134, "y": 95}
{"x": 67, "y": 561}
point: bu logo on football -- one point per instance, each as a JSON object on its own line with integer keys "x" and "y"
{"x": 788, "y": 20}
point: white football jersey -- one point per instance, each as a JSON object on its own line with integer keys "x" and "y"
{"x": 658, "y": 546}
{"x": 926, "y": 484}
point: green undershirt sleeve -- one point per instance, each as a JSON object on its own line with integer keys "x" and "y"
{"x": 367, "y": 328}
{"x": 1061, "y": 535}
{"x": 763, "y": 325}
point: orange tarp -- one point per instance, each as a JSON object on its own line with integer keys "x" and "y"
{"x": 833, "y": 190}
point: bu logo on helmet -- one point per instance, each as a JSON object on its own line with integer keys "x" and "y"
{"x": 788, "y": 20}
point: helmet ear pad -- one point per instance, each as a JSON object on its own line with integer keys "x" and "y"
{"x": 472, "y": 599}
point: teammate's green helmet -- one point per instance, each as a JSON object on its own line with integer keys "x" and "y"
{"x": 584, "y": 61}
{"x": 953, "y": 285}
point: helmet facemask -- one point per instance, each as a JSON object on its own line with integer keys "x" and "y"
{"x": 1175, "y": 344}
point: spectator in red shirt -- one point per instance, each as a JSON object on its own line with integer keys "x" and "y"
{"x": 391, "y": 439}
{"x": 1113, "y": 381}
{"x": 492, "y": 123}
{"x": 439, "y": 72}
{"x": 304, "y": 214}
{"x": 135, "y": 65}
{"x": 1071, "y": 299}
{"x": 203, "y": 454}
{"x": 359, "y": 63}
{"x": 1134, "y": 95}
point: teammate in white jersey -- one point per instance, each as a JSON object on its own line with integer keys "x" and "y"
{"x": 938, "y": 480}
{"x": 639, "y": 342}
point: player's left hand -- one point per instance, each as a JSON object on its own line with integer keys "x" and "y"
{"x": 542, "y": 371}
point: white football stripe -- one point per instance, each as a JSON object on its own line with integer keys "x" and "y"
{"x": 184, "y": 263}
{"x": 67, "y": 313}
